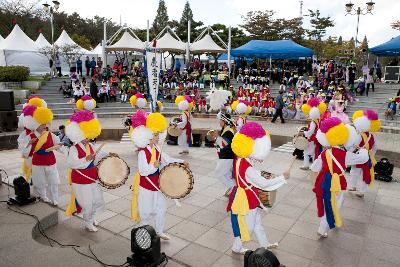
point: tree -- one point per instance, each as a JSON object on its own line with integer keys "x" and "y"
{"x": 187, "y": 15}
{"x": 340, "y": 40}
{"x": 396, "y": 25}
{"x": 68, "y": 52}
{"x": 319, "y": 25}
{"x": 262, "y": 25}
{"x": 161, "y": 20}
{"x": 81, "y": 40}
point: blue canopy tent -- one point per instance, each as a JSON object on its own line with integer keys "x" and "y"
{"x": 390, "y": 48}
{"x": 282, "y": 49}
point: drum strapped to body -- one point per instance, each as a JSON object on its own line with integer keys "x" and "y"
{"x": 113, "y": 172}
{"x": 173, "y": 129}
{"x": 176, "y": 180}
{"x": 209, "y": 135}
{"x": 300, "y": 141}
{"x": 267, "y": 198}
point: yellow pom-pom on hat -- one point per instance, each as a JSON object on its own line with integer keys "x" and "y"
{"x": 242, "y": 145}
{"x": 322, "y": 107}
{"x": 91, "y": 129}
{"x": 178, "y": 99}
{"x": 375, "y": 126}
{"x": 305, "y": 108}
{"x": 357, "y": 114}
{"x": 234, "y": 104}
{"x": 132, "y": 100}
{"x": 79, "y": 104}
{"x": 36, "y": 101}
{"x": 156, "y": 122}
{"x": 43, "y": 115}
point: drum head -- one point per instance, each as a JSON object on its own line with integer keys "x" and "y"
{"x": 113, "y": 172}
{"x": 300, "y": 142}
{"x": 174, "y": 131}
{"x": 176, "y": 180}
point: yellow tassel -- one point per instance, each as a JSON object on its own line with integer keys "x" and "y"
{"x": 244, "y": 233}
{"x": 153, "y": 155}
{"x": 71, "y": 208}
{"x": 335, "y": 189}
{"x": 135, "y": 197}
{"x": 27, "y": 170}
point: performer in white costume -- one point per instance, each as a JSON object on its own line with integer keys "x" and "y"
{"x": 86, "y": 194}
{"x": 251, "y": 143}
{"x": 314, "y": 109}
{"x": 363, "y": 175}
{"x": 147, "y": 200}
{"x": 330, "y": 183}
{"x": 185, "y": 104}
{"x": 242, "y": 109}
{"x": 40, "y": 145}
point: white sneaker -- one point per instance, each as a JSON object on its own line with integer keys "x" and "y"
{"x": 91, "y": 228}
{"x": 45, "y": 200}
{"x": 164, "y": 236}
{"x": 241, "y": 251}
{"x": 95, "y": 223}
{"x": 55, "y": 203}
{"x": 273, "y": 245}
{"x": 325, "y": 235}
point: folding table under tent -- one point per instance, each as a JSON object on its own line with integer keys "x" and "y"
{"x": 388, "y": 49}
{"x": 282, "y": 49}
{"x": 20, "y": 50}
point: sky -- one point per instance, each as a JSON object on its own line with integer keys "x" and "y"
{"x": 135, "y": 13}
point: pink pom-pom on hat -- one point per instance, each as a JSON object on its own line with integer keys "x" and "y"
{"x": 81, "y": 116}
{"x": 329, "y": 123}
{"x": 253, "y": 130}
{"x": 371, "y": 115}
{"x": 28, "y": 110}
{"x": 139, "y": 118}
{"x": 139, "y": 95}
{"x": 313, "y": 102}
{"x": 86, "y": 97}
{"x": 188, "y": 99}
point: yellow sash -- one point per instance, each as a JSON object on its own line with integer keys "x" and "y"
{"x": 71, "y": 208}
{"x": 335, "y": 188}
{"x": 240, "y": 206}
{"x": 371, "y": 156}
{"x": 226, "y": 129}
{"x": 135, "y": 189}
{"x": 27, "y": 168}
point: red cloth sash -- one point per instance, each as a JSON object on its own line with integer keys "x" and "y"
{"x": 366, "y": 166}
{"x": 155, "y": 178}
{"x": 46, "y": 159}
{"x": 91, "y": 171}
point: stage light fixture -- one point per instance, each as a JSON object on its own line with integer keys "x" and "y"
{"x": 22, "y": 192}
{"x": 261, "y": 257}
{"x": 146, "y": 248}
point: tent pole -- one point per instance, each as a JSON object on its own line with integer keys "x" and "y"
{"x": 270, "y": 67}
{"x": 229, "y": 51}
{"x": 148, "y": 34}
{"x": 188, "y": 44}
{"x": 103, "y": 50}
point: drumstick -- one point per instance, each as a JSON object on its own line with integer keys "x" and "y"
{"x": 100, "y": 147}
{"x": 291, "y": 164}
{"x": 50, "y": 149}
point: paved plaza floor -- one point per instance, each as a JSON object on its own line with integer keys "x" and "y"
{"x": 200, "y": 230}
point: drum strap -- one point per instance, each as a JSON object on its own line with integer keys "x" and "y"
{"x": 87, "y": 177}
{"x": 177, "y": 203}
{"x": 248, "y": 187}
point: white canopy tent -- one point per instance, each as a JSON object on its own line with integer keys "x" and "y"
{"x": 206, "y": 45}
{"x": 1, "y": 38}
{"x": 170, "y": 43}
{"x": 41, "y": 42}
{"x": 98, "y": 50}
{"x": 127, "y": 43}
{"x": 64, "y": 40}
{"x": 20, "y": 50}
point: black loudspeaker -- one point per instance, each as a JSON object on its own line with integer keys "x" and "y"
{"x": 8, "y": 121}
{"x": 7, "y": 101}
{"x": 196, "y": 140}
{"x": 172, "y": 140}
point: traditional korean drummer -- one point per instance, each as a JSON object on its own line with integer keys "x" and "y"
{"x": 82, "y": 160}
{"x": 147, "y": 200}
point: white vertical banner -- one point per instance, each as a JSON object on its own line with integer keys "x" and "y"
{"x": 153, "y": 61}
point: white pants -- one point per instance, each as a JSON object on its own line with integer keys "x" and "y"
{"x": 90, "y": 198}
{"x": 254, "y": 224}
{"x": 309, "y": 152}
{"x": 182, "y": 141}
{"x": 356, "y": 180}
{"x": 152, "y": 204}
{"x": 45, "y": 179}
{"x": 223, "y": 172}
{"x": 323, "y": 225}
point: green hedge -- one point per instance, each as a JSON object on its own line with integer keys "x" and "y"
{"x": 14, "y": 73}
